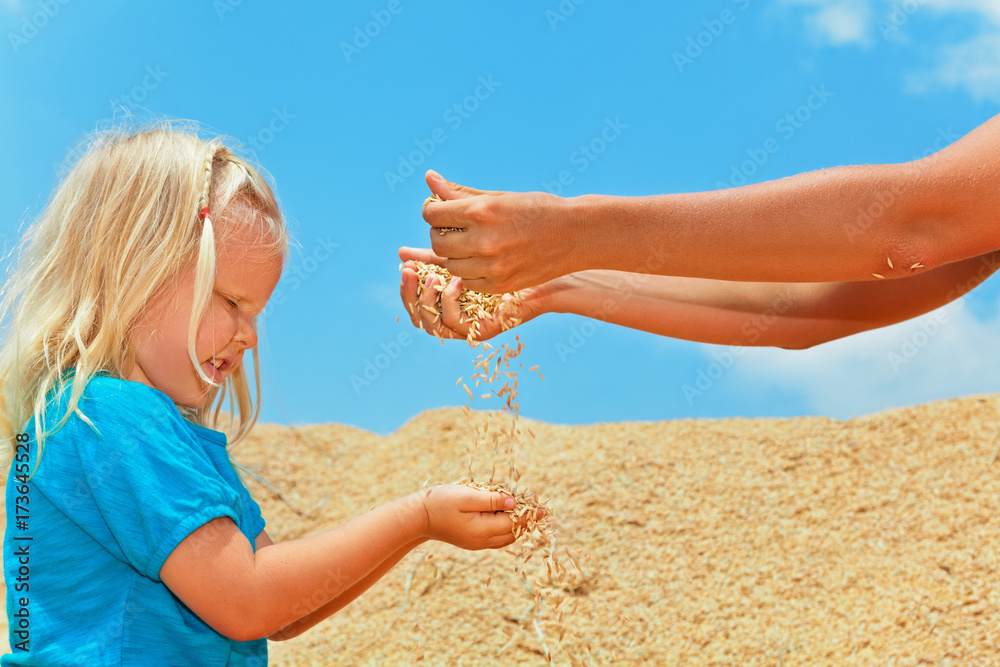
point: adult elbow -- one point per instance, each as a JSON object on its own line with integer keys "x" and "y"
{"x": 800, "y": 345}
{"x": 806, "y": 341}
{"x": 935, "y": 219}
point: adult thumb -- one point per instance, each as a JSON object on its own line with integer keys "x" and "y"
{"x": 445, "y": 189}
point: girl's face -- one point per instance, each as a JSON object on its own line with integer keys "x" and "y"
{"x": 245, "y": 277}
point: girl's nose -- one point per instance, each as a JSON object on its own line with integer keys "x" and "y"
{"x": 246, "y": 335}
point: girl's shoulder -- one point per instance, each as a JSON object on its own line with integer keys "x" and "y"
{"x": 117, "y": 417}
{"x": 103, "y": 385}
{"x": 110, "y": 399}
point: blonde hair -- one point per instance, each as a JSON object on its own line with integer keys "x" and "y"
{"x": 122, "y": 225}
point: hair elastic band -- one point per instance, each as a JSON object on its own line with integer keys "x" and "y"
{"x": 204, "y": 212}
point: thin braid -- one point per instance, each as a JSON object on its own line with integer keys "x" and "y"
{"x": 206, "y": 190}
{"x": 205, "y": 271}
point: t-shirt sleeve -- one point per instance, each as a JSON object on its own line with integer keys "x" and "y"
{"x": 150, "y": 480}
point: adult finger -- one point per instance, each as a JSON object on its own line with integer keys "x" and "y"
{"x": 453, "y": 243}
{"x": 451, "y": 309}
{"x": 427, "y": 309}
{"x": 427, "y": 305}
{"x": 447, "y": 190}
{"x": 425, "y": 255}
{"x": 408, "y": 293}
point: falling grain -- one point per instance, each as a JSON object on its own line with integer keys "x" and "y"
{"x": 532, "y": 522}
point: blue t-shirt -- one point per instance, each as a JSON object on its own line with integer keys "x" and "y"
{"x": 102, "y": 514}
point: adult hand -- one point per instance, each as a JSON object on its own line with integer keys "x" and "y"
{"x": 508, "y": 241}
{"x": 450, "y": 322}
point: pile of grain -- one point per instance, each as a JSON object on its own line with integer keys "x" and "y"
{"x": 749, "y": 542}
{"x": 803, "y": 541}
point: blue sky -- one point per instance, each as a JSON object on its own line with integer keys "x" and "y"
{"x": 341, "y": 101}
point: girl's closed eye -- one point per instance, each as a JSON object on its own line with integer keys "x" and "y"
{"x": 232, "y": 304}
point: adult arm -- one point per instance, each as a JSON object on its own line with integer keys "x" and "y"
{"x": 789, "y": 315}
{"x": 831, "y": 225}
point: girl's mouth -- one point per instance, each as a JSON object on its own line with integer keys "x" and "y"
{"x": 215, "y": 368}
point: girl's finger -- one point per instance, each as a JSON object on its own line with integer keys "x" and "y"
{"x": 501, "y": 541}
{"x": 496, "y": 524}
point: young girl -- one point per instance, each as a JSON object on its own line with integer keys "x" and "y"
{"x": 130, "y": 539}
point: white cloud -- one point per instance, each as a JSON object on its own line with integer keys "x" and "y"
{"x": 838, "y": 22}
{"x": 843, "y": 23}
{"x": 939, "y": 355}
{"x": 988, "y": 8}
{"x": 972, "y": 65}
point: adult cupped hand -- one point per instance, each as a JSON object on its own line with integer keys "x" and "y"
{"x": 506, "y": 241}
{"x": 449, "y": 321}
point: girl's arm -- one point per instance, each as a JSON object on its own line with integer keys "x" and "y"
{"x": 329, "y": 609}
{"x": 832, "y": 225}
{"x": 246, "y": 596}
{"x": 790, "y": 315}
